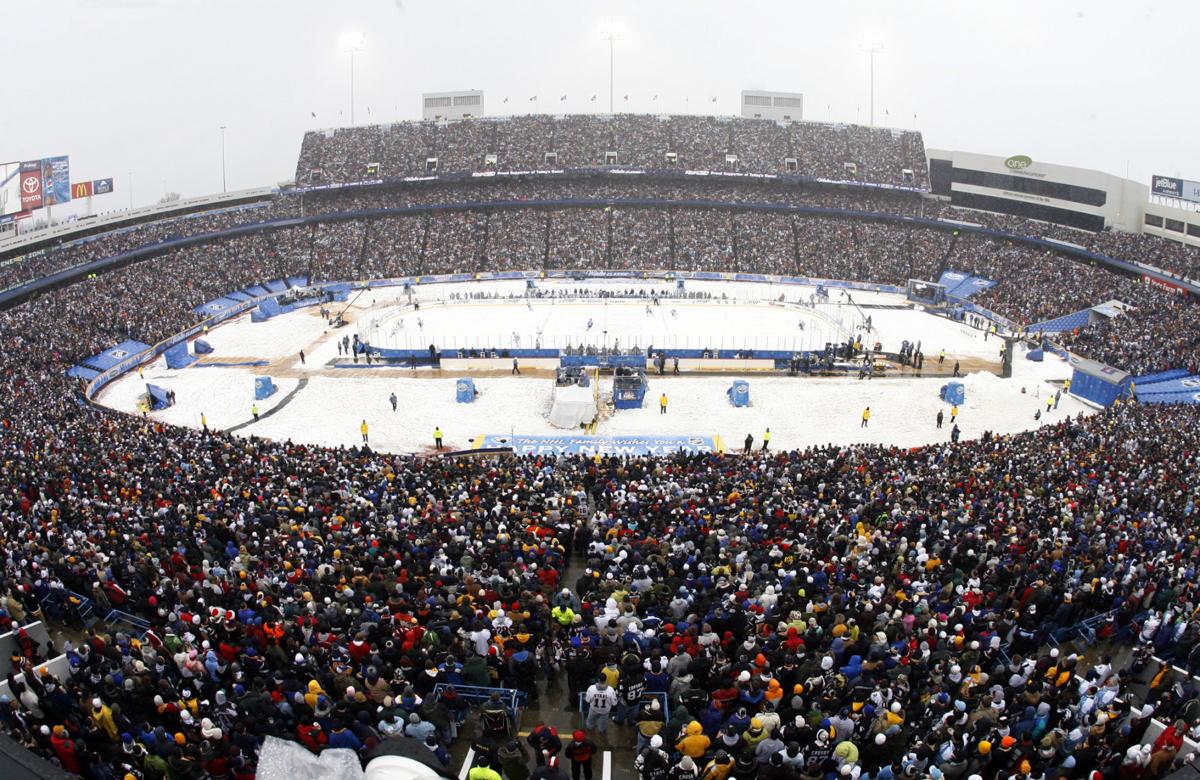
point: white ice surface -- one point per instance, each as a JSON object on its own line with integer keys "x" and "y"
{"x": 799, "y": 411}
{"x": 750, "y": 316}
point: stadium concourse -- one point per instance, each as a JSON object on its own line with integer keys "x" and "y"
{"x": 858, "y": 610}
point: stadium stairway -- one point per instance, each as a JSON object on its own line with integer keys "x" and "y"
{"x": 1078, "y": 319}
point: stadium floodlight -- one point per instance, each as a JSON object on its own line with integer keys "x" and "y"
{"x": 611, "y": 32}
{"x": 352, "y": 42}
{"x": 872, "y": 46}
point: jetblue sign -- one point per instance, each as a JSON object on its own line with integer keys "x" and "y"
{"x": 1172, "y": 187}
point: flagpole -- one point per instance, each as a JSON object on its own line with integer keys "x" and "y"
{"x": 612, "y": 34}
{"x": 611, "y": 71}
{"x": 872, "y": 49}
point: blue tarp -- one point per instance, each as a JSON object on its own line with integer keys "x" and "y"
{"x": 113, "y": 355}
{"x": 263, "y": 387}
{"x": 963, "y": 285}
{"x": 739, "y": 393}
{"x": 255, "y": 290}
{"x": 202, "y": 347}
{"x": 276, "y": 285}
{"x": 270, "y": 307}
{"x": 215, "y": 306}
{"x": 82, "y": 372}
{"x": 158, "y": 397}
{"x": 1036, "y": 355}
{"x": 1162, "y": 376}
{"x": 464, "y": 391}
{"x": 177, "y": 356}
{"x": 1186, "y": 384}
{"x": 953, "y": 393}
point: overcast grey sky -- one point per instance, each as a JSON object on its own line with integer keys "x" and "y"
{"x": 143, "y": 85}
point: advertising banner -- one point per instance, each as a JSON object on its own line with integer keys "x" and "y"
{"x": 31, "y": 185}
{"x": 102, "y": 186}
{"x": 1172, "y": 187}
{"x": 606, "y": 445}
{"x": 81, "y": 189}
{"x": 56, "y": 180}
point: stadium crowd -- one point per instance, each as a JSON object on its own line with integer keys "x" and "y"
{"x": 856, "y": 611}
{"x": 859, "y": 611}
{"x": 842, "y": 611}
{"x": 1034, "y": 285}
{"x": 687, "y": 142}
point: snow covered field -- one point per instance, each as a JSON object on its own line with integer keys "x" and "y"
{"x": 319, "y": 404}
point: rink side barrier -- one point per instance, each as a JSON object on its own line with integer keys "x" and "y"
{"x": 104, "y": 378}
{"x": 128, "y": 364}
{"x": 99, "y": 382}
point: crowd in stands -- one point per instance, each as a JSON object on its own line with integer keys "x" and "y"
{"x": 1156, "y": 335}
{"x": 850, "y": 611}
{"x": 1034, "y": 285}
{"x": 35, "y": 265}
{"x": 858, "y": 611}
{"x": 686, "y": 142}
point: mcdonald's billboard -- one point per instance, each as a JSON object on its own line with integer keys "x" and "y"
{"x": 81, "y": 189}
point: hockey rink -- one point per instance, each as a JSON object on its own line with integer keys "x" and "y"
{"x": 319, "y": 403}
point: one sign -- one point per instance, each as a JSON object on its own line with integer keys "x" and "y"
{"x": 81, "y": 189}
{"x": 102, "y": 186}
{"x": 1018, "y": 162}
{"x": 56, "y": 180}
{"x": 1171, "y": 187}
{"x": 31, "y": 185}
{"x": 604, "y": 445}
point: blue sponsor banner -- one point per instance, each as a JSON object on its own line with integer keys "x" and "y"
{"x": 56, "y": 180}
{"x": 951, "y": 279}
{"x": 102, "y": 186}
{"x": 604, "y": 445}
{"x": 214, "y": 307}
{"x": 114, "y": 355}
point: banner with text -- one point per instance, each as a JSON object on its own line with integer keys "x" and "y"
{"x": 31, "y": 185}
{"x": 56, "y": 180}
{"x": 1172, "y": 187}
{"x": 603, "y": 445}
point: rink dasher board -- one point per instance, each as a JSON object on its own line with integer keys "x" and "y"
{"x": 600, "y": 445}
